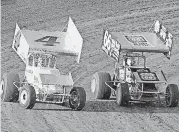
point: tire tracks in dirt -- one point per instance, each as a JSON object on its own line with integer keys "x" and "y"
{"x": 135, "y": 14}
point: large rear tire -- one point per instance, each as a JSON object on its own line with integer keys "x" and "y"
{"x": 171, "y": 95}
{"x": 98, "y": 86}
{"x": 122, "y": 95}
{"x": 9, "y": 92}
{"x": 27, "y": 97}
{"x": 78, "y": 98}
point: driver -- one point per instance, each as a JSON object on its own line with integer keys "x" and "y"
{"x": 130, "y": 61}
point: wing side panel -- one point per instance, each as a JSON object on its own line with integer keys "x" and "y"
{"x": 73, "y": 41}
{"x": 20, "y": 44}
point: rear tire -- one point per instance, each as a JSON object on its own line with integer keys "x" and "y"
{"x": 27, "y": 97}
{"x": 122, "y": 95}
{"x": 171, "y": 95}
{"x": 9, "y": 92}
{"x": 98, "y": 86}
{"x": 78, "y": 98}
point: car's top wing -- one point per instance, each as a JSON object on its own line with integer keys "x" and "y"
{"x": 63, "y": 43}
{"x": 114, "y": 42}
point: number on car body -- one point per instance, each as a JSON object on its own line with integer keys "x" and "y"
{"x": 110, "y": 45}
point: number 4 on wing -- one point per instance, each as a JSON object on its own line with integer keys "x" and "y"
{"x": 51, "y": 40}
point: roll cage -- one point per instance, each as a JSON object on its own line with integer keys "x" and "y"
{"x": 140, "y": 61}
{"x": 42, "y": 60}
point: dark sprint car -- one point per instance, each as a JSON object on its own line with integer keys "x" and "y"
{"x": 132, "y": 80}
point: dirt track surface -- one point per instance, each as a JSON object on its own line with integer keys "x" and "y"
{"x": 91, "y": 17}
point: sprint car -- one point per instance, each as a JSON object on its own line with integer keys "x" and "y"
{"x": 132, "y": 80}
{"x": 43, "y": 82}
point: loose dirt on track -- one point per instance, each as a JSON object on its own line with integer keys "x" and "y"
{"x": 91, "y": 17}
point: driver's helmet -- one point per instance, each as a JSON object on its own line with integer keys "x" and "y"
{"x": 130, "y": 61}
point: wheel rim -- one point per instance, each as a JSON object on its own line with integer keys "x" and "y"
{"x": 2, "y": 88}
{"x": 93, "y": 85}
{"x": 75, "y": 98}
{"x": 23, "y": 97}
{"x": 136, "y": 89}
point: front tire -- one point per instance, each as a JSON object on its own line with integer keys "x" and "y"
{"x": 122, "y": 94}
{"x": 98, "y": 86}
{"x": 27, "y": 97}
{"x": 9, "y": 92}
{"x": 171, "y": 95}
{"x": 78, "y": 98}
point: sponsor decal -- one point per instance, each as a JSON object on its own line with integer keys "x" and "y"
{"x": 137, "y": 40}
{"x": 165, "y": 36}
{"x": 148, "y": 76}
{"x": 111, "y": 46}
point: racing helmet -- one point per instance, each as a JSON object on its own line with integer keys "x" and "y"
{"x": 130, "y": 61}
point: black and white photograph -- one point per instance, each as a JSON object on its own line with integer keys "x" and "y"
{"x": 89, "y": 66}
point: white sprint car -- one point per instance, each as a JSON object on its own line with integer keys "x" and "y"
{"x": 42, "y": 81}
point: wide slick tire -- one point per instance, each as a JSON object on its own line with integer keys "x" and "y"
{"x": 78, "y": 98}
{"x": 172, "y": 95}
{"x": 9, "y": 92}
{"x": 98, "y": 86}
{"x": 27, "y": 97}
{"x": 122, "y": 95}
